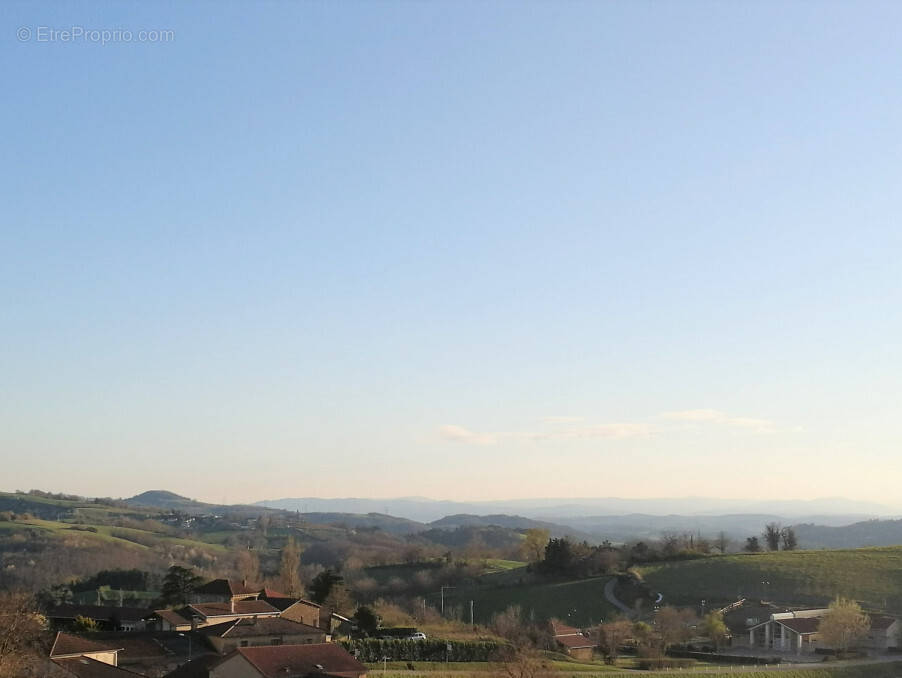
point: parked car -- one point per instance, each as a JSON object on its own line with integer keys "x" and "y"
{"x": 419, "y": 635}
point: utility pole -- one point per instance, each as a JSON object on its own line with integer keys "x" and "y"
{"x": 443, "y": 597}
{"x": 471, "y": 613}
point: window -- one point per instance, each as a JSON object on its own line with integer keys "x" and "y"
{"x": 275, "y": 641}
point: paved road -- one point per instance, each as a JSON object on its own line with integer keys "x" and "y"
{"x": 609, "y": 587}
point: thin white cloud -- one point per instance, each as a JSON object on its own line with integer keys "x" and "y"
{"x": 458, "y": 434}
{"x": 561, "y": 420}
{"x": 572, "y": 428}
{"x": 616, "y": 431}
{"x": 708, "y": 416}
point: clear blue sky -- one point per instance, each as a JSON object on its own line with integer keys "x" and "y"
{"x": 455, "y": 249}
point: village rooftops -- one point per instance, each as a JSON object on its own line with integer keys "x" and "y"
{"x": 263, "y": 626}
{"x": 294, "y": 661}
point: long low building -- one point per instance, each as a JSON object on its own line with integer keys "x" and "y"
{"x": 254, "y": 632}
{"x": 797, "y": 631}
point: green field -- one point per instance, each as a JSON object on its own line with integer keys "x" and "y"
{"x": 872, "y": 576}
{"x": 582, "y": 601}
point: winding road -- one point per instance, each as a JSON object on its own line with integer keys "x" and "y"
{"x": 609, "y": 587}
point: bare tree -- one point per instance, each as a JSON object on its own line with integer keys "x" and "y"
{"x": 673, "y": 625}
{"x": 289, "y": 568}
{"x": 844, "y": 626}
{"x": 713, "y": 627}
{"x": 248, "y": 566}
{"x": 772, "y": 535}
{"x": 788, "y": 537}
{"x": 722, "y": 542}
{"x": 520, "y": 661}
{"x": 20, "y": 630}
{"x": 533, "y": 545}
{"x": 611, "y": 637}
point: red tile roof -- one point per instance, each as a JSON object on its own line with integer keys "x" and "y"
{"x": 284, "y": 603}
{"x": 225, "y": 587}
{"x": 560, "y": 629}
{"x": 196, "y": 668}
{"x": 172, "y": 617}
{"x": 263, "y": 626}
{"x": 85, "y": 667}
{"x": 68, "y": 645}
{"x": 575, "y": 641}
{"x": 267, "y": 592}
{"x": 294, "y": 661}
{"x": 881, "y": 622}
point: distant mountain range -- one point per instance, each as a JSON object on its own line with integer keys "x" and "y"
{"x": 554, "y": 510}
{"x": 824, "y": 523}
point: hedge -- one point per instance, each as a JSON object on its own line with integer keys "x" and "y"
{"x": 652, "y": 663}
{"x": 722, "y": 658}
{"x": 430, "y": 650}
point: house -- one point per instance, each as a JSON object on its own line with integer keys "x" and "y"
{"x": 295, "y": 609}
{"x": 333, "y": 623}
{"x": 106, "y": 618}
{"x": 258, "y": 631}
{"x": 199, "y": 615}
{"x": 196, "y": 668}
{"x": 289, "y": 661}
{"x": 83, "y": 658}
{"x": 885, "y": 633}
{"x": 797, "y": 631}
{"x": 85, "y": 667}
{"x": 68, "y": 646}
{"x": 167, "y": 620}
{"x": 573, "y": 641}
{"x": 223, "y": 591}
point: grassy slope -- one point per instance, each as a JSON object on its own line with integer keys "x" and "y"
{"x": 581, "y": 601}
{"x": 872, "y": 576}
{"x": 107, "y": 533}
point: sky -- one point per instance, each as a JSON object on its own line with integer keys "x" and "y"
{"x": 463, "y": 250}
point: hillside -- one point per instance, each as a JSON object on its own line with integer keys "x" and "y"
{"x": 864, "y": 533}
{"x": 512, "y": 522}
{"x": 872, "y": 576}
{"x": 380, "y": 521}
{"x": 165, "y": 500}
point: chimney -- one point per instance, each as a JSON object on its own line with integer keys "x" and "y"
{"x": 232, "y": 605}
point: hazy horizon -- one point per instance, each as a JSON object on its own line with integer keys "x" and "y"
{"x": 453, "y": 250}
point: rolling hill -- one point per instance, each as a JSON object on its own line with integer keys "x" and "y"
{"x": 873, "y": 576}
